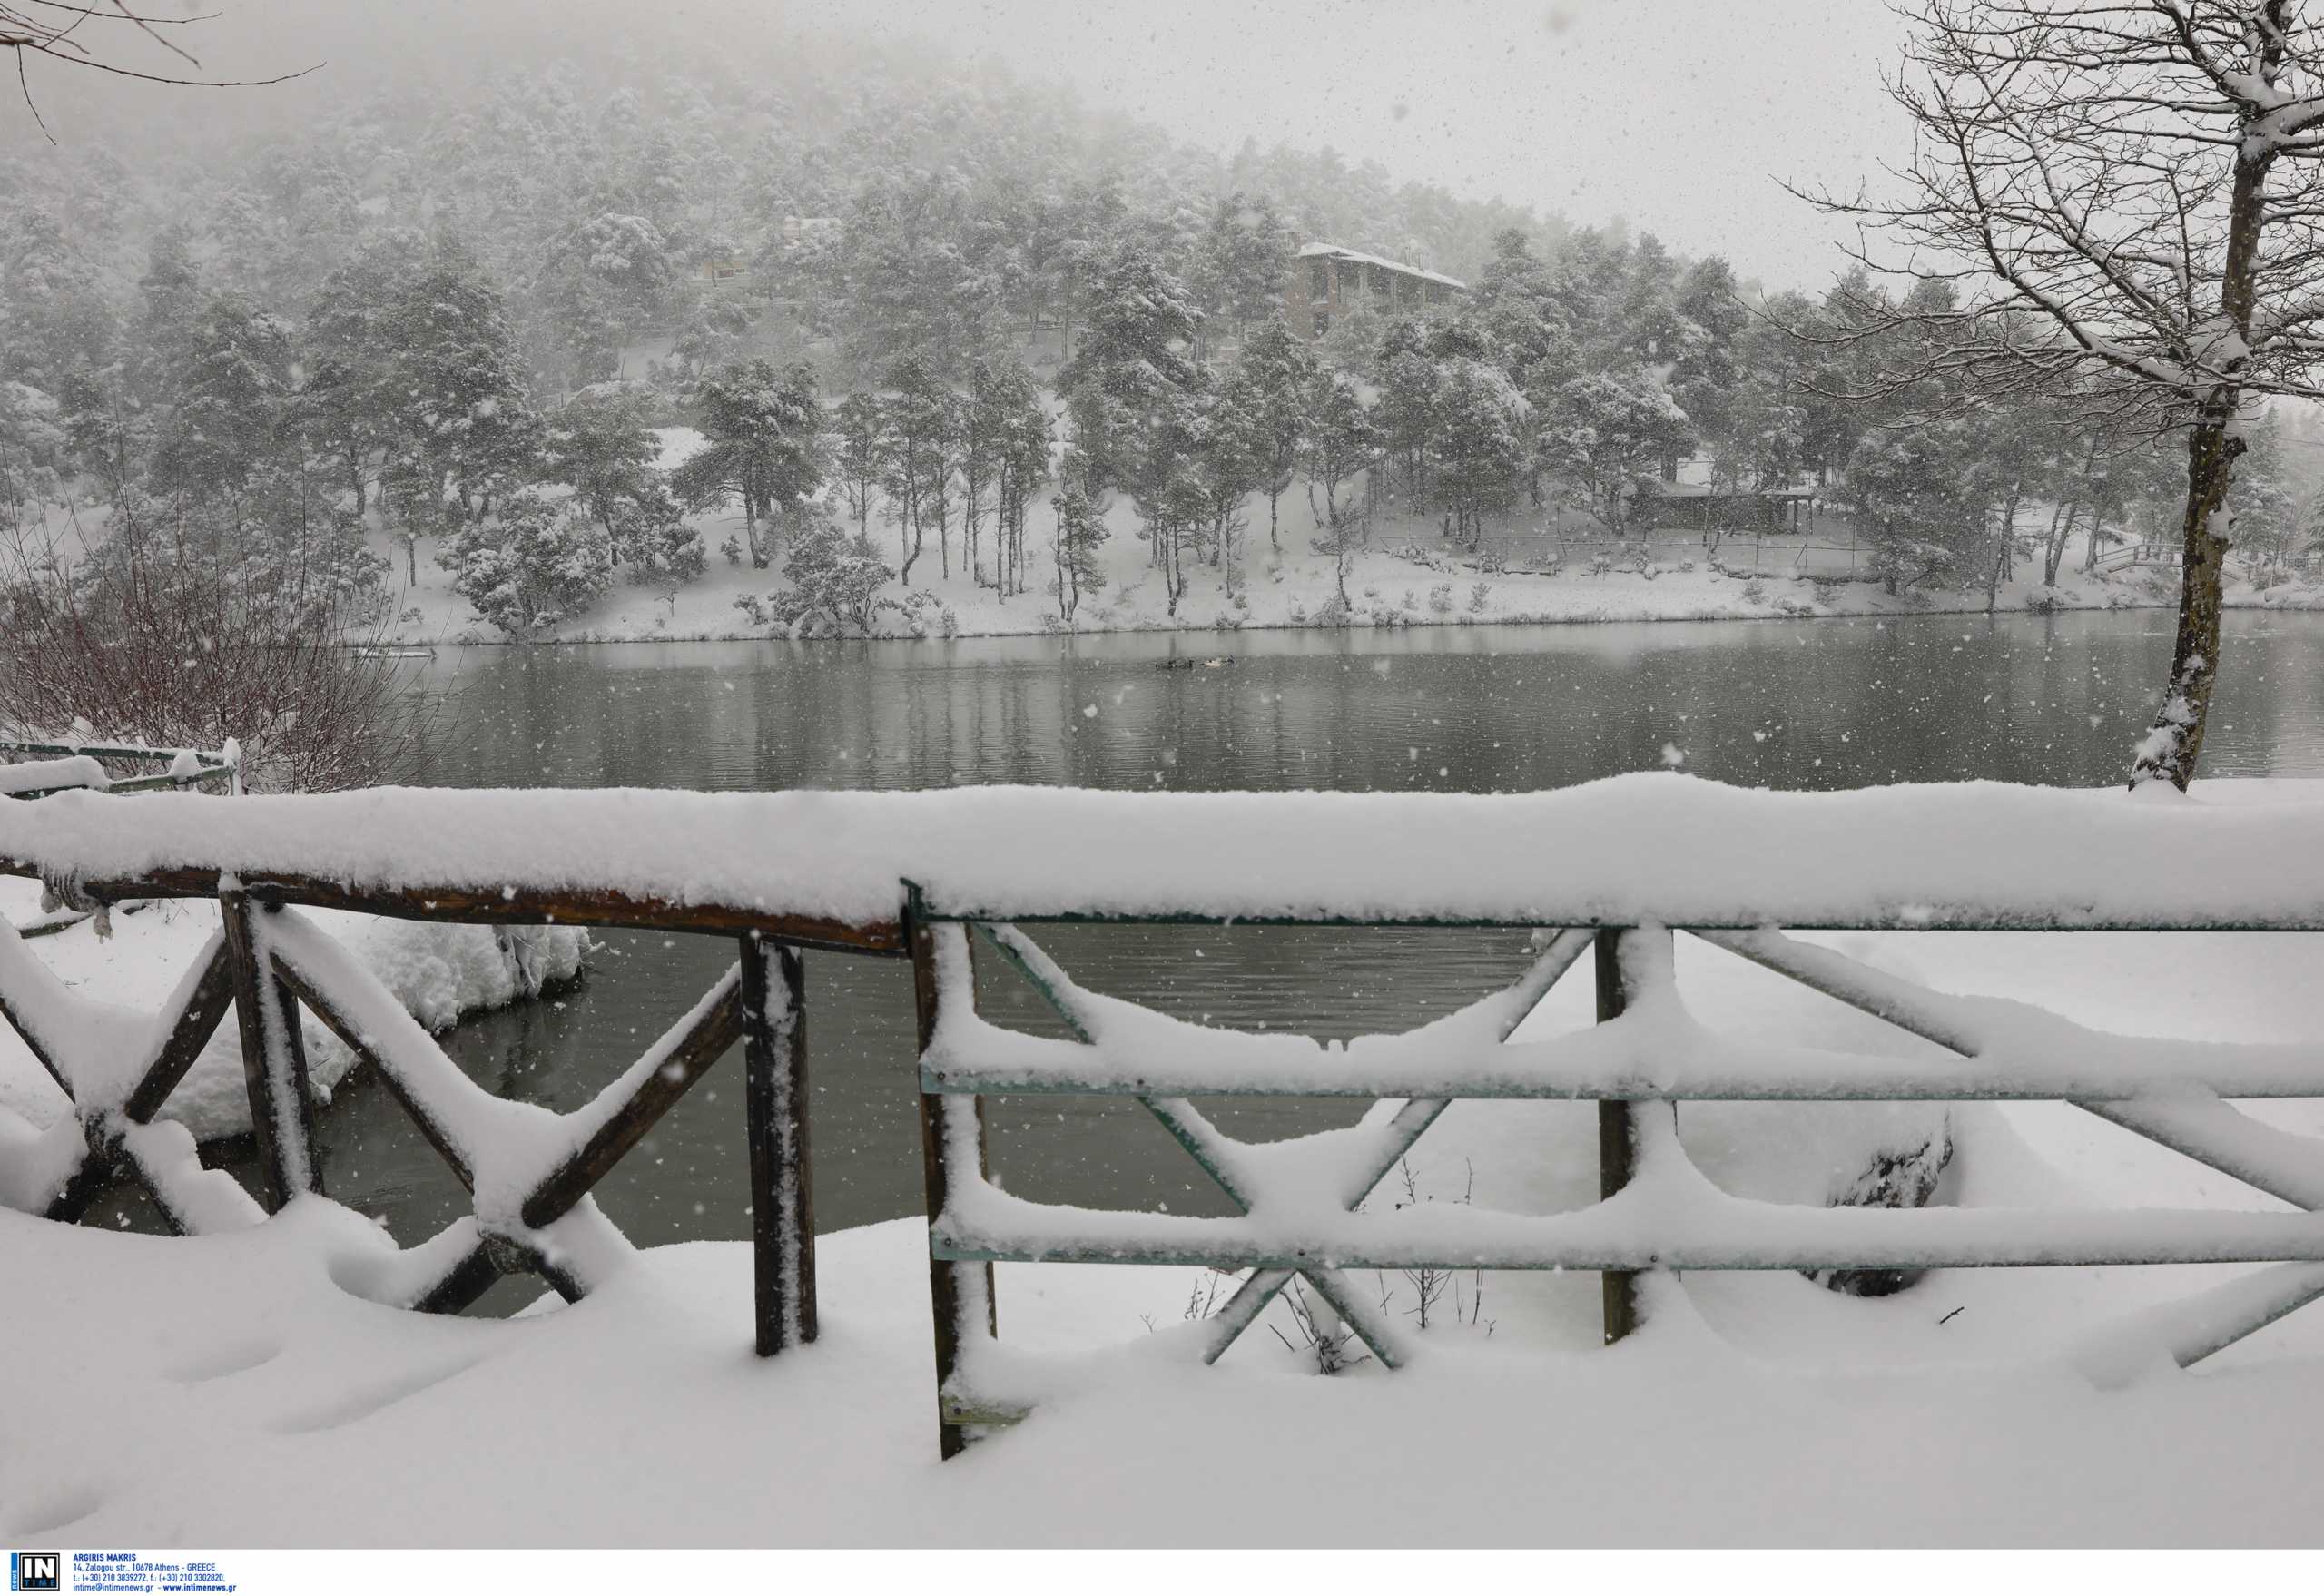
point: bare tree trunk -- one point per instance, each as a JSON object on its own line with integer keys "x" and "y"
{"x": 2175, "y": 741}
{"x": 2060, "y": 537}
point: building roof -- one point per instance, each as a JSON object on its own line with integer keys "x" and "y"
{"x": 1339, "y": 253}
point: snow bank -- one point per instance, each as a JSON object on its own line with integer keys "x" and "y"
{"x": 1646, "y": 847}
{"x": 438, "y": 972}
{"x": 375, "y": 1429}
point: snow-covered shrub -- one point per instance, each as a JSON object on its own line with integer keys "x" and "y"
{"x": 1479, "y": 597}
{"x": 732, "y": 549}
{"x": 656, "y": 542}
{"x": 1334, "y": 612}
{"x": 1297, "y": 614}
{"x": 537, "y": 562}
{"x": 1686, "y": 566}
{"x": 2270, "y": 575}
{"x": 1600, "y": 565}
{"x": 834, "y": 588}
{"x": 2044, "y": 598}
{"x": 1755, "y": 591}
{"x": 1440, "y": 599}
{"x": 1372, "y": 593}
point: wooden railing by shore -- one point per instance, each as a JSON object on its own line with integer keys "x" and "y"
{"x": 1610, "y": 872}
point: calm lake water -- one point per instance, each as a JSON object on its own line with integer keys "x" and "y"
{"x": 1802, "y": 704}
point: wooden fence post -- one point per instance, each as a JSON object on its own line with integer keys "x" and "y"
{"x": 953, "y": 1288}
{"x": 1617, "y": 1148}
{"x": 782, "y": 1201}
{"x": 274, "y": 1067}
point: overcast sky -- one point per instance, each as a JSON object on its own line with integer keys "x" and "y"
{"x": 1679, "y": 114}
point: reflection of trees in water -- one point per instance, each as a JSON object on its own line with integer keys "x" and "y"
{"x": 1833, "y": 704}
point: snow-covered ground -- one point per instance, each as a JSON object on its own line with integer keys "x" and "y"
{"x": 230, "y": 1390}
{"x": 1286, "y": 589}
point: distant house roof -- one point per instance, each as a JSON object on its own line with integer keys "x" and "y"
{"x": 1337, "y": 252}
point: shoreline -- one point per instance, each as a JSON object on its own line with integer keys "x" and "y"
{"x": 2312, "y": 604}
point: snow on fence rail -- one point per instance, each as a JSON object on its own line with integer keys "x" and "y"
{"x": 63, "y": 766}
{"x": 1608, "y": 870}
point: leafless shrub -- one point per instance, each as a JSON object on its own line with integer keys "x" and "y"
{"x": 165, "y": 632}
{"x": 1330, "y": 1348}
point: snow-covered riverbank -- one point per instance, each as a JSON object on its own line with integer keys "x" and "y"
{"x": 1292, "y": 587}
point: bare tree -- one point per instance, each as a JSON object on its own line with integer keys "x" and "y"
{"x": 2126, "y": 191}
{"x": 90, "y": 37}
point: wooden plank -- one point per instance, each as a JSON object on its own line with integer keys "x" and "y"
{"x": 1616, "y": 1147}
{"x": 282, "y": 1103}
{"x": 512, "y": 905}
{"x": 324, "y": 1009}
{"x": 953, "y": 1288}
{"x": 212, "y": 995}
{"x": 2030, "y": 1238}
{"x": 100, "y": 1166}
{"x": 783, "y": 1202}
{"x": 461, "y": 1285}
{"x": 702, "y": 1045}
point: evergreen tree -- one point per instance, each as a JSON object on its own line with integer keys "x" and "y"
{"x": 599, "y": 444}
{"x": 227, "y": 404}
{"x": 1341, "y": 441}
{"x": 541, "y": 563}
{"x": 1131, "y": 367}
{"x": 465, "y": 430}
{"x": 1278, "y": 372}
{"x": 856, "y": 462}
{"x": 1080, "y": 528}
{"x": 1482, "y": 441}
{"x": 765, "y": 446}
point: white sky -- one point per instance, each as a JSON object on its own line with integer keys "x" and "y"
{"x": 1679, "y": 114}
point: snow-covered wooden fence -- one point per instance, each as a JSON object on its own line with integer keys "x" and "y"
{"x": 528, "y": 1171}
{"x": 1612, "y": 870}
{"x": 58, "y": 767}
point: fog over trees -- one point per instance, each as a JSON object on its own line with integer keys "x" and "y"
{"x": 449, "y": 295}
